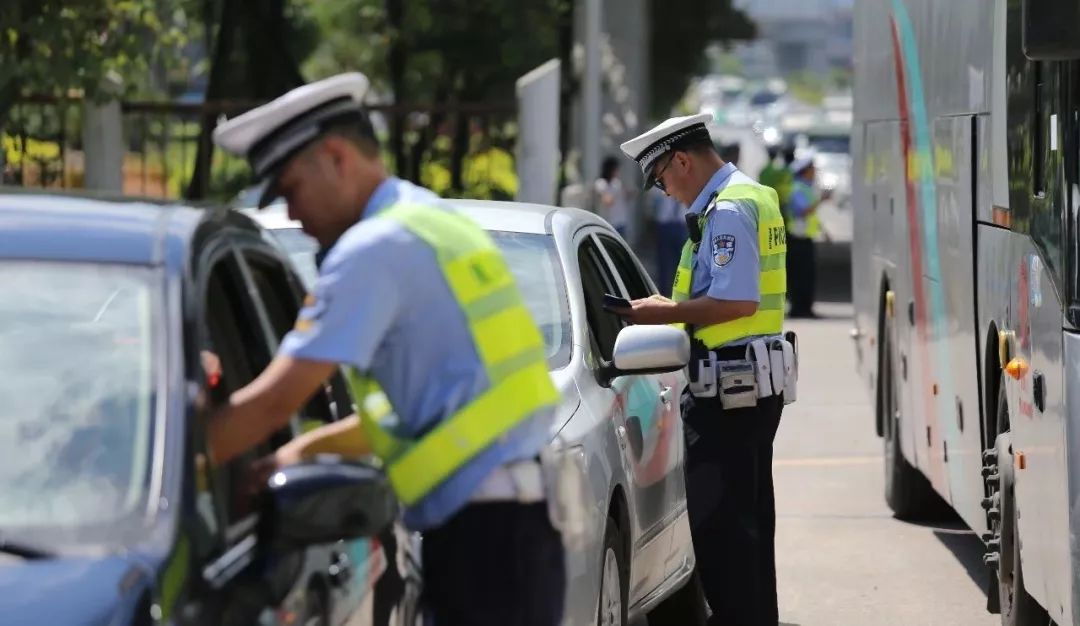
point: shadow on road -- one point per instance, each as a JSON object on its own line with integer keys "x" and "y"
{"x": 968, "y": 549}
{"x": 964, "y": 544}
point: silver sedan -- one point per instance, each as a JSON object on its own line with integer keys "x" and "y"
{"x": 620, "y": 414}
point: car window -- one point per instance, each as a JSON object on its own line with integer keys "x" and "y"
{"x": 831, "y": 144}
{"x": 534, "y": 262}
{"x": 636, "y": 284}
{"x": 237, "y": 344}
{"x": 596, "y": 280}
{"x": 302, "y": 251}
{"x": 532, "y": 258}
{"x": 282, "y": 306}
{"x": 77, "y": 378}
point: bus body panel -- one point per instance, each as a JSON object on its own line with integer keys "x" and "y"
{"x": 946, "y": 145}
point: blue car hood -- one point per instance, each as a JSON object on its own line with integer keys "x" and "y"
{"x": 69, "y": 590}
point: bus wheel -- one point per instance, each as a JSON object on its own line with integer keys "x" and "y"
{"x": 907, "y": 492}
{"x": 1018, "y": 608}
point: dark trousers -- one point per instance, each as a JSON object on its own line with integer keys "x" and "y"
{"x": 670, "y": 237}
{"x": 495, "y": 564}
{"x": 732, "y": 510}
{"x": 801, "y": 275}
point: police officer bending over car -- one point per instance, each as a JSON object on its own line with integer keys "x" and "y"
{"x": 729, "y": 296}
{"x": 445, "y": 363}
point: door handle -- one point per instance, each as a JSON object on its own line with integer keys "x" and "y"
{"x": 665, "y": 394}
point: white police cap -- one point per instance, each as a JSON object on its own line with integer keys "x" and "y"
{"x": 269, "y": 135}
{"x": 801, "y": 162}
{"x": 669, "y": 135}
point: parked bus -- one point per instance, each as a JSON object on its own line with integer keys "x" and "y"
{"x": 966, "y": 192}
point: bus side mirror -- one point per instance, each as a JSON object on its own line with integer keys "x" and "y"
{"x": 1050, "y": 29}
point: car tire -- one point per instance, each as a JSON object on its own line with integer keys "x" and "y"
{"x": 612, "y": 604}
{"x": 1018, "y": 608}
{"x": 907, "y": 492}
{"x": 684, "y": 607}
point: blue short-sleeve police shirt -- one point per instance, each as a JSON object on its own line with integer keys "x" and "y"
{"x": 382, "y": 305}
{"x": 728, "y": 261}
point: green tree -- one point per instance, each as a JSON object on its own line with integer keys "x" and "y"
{"x": 255, "y": 51}
{"x": 437, "y": 51}
{"x": 681, "y": 31}
{"x": 55, "y": 46}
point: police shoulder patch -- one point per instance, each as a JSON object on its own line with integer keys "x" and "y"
{"x": 723, "y": 249}
{"x": 313, "y": 310}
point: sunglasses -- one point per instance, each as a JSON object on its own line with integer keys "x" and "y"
{"x": 659, "y": 184}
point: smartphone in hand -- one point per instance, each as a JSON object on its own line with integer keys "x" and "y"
{"x": 615, "y": 302}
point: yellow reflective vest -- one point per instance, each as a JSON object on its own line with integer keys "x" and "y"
{"x": 807, "y": 226}
{"x": 507, "y": 340}
{"x": 772, "y": 245}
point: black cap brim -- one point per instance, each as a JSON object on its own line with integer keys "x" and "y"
{"x": 268, "y": 191}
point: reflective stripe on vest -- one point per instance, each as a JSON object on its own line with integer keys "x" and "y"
{"x": 772, "y": 245}
{"x": 506, "y": 338}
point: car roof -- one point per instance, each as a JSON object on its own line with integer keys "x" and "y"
{"x": 517, "y": 217}
{"x": 80, "y": 227}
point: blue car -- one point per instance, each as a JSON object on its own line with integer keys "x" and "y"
{"x": 122, "y": 325}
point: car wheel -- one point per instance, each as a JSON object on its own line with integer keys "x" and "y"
{"x": 612, "y": 606}
{"x": 684, "y": 607}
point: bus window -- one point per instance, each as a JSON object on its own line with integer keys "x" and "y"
{"x": 1048, "y": 202}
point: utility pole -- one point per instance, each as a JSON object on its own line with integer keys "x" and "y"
{"x": 590, "y": 84}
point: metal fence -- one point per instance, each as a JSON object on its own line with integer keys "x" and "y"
{"x": 459, "y": 149}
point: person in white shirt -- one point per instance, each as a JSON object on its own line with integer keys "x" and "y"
{"x": 611, "y": 198}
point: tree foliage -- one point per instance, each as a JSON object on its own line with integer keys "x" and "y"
{"x": 681, "y": 31}
{"x": 101, "y": 48}
{"x": 435, "y": 51}
{"x": 474, "y": 49}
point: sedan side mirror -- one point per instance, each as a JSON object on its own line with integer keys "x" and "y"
{"x": 648, "y": 350}
{"x": 323, "y": 502}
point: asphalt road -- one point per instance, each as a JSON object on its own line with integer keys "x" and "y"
{"x": 842, "y": 559}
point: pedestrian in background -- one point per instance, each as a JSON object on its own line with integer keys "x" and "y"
{"x": 803, "y": 226}
{"x": 611, "y": 197}
{"x": 669, "y": 229}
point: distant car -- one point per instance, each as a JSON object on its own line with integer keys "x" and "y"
{"x": 625, "y": 427}
{"x": 122, "y": 324}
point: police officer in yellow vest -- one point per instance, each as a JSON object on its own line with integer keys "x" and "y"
{"x": 446, "y": 365}
{"x": 803, "y": 227}
{"x": 729, "y": 295}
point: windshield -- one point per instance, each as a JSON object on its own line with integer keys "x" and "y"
{"x": 835, "y": 144}
{"x": 534, "y": 261}
{"x": 762, "y": 98}
{"x": 76, "y": 394}
{"x": 301, "y": 250}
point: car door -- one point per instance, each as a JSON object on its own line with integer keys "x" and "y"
{"x": 235, "y": 582}
{"x": 631, "y": 403}
{"x": 654, "y": 424}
